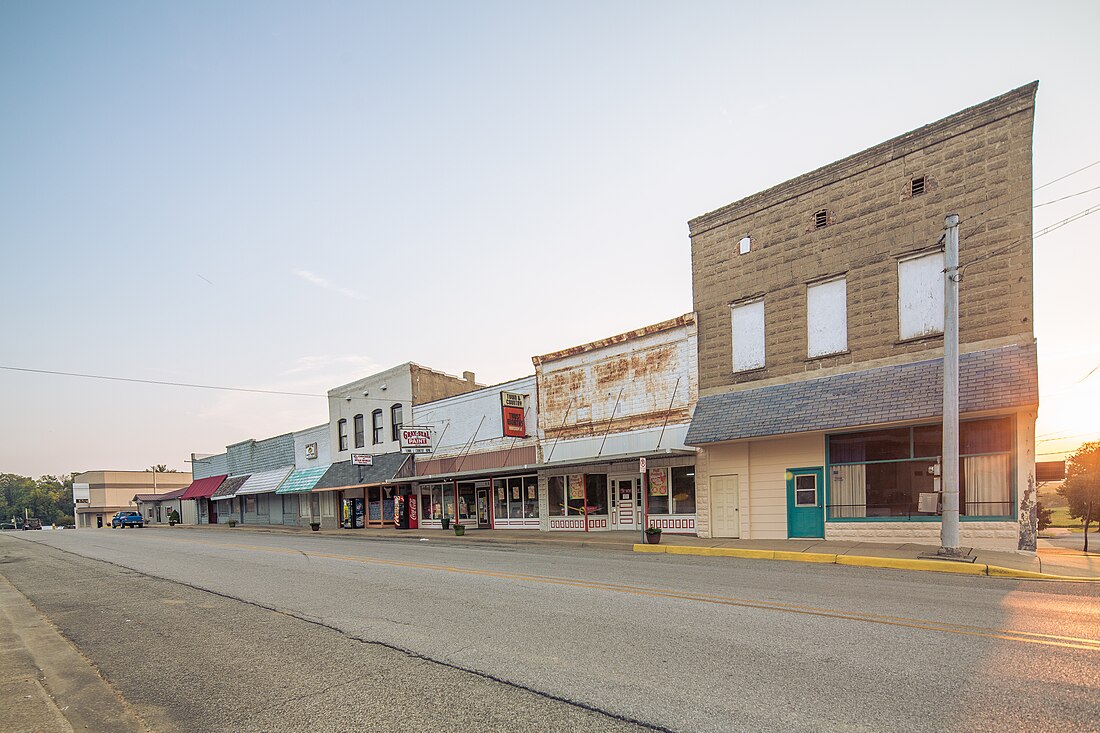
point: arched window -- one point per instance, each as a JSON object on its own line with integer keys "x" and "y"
{"x": 360, "y": 439}
{"x": 396, "y": 420}
{"x": 342, "y": 433}
{"x": 376, "y": 426}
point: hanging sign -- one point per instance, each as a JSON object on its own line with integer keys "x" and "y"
{"x": 415, "y": 440}
{"x": 658, "y": 483}
{"x": 362, "y": 459}
{"x": 512, "y": 414}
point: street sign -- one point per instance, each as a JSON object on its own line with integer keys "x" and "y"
{"x": 641, "y": 465}
{"x": 362, "y": 459}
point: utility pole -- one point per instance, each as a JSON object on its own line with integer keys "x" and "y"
{"x": 949, "y": 531}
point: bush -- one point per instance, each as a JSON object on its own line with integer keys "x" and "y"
{"x": 1044, "y": 515}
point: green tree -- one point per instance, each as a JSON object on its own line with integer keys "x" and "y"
{"x": 161, "y": 468}
{"x": 1081, "y": 488}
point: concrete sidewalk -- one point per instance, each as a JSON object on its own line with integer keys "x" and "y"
{"x": 46, "y": 685}
{"x": 1049, "y": 561}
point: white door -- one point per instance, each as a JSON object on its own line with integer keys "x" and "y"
{"x": 725, "y": 512}
{"x": 625, "y": 496}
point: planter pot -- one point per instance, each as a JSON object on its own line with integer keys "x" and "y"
{"x": 653, "y": 539}
{"x": 315, "y": 526}
{"x": 231, "y": 524}
{"x": 446, "y": 523}
{"x": 171, "y": 524}
{"x": 460, "y": 530}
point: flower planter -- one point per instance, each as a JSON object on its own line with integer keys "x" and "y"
{"x": 315, "y": 526}
{"x": 653, "y": 538}
{"x": 459, "y": 530}
{"x": 446, "y": 523}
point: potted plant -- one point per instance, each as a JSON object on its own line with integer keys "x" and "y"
{"x": 446, "y": 522}
{"x": 232, "y": 523}
{"x": 653, "y": 535}
{"x": 173, "y": 518}
{"x": 460, "y": 529}
{"x": 315, "y": 524}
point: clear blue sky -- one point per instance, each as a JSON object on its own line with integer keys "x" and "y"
{"x": 289, "y": 195}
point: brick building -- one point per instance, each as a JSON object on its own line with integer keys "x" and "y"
{"x": 820, "y": 319}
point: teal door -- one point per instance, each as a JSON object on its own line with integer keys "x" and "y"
{"x": 805, "y": 503}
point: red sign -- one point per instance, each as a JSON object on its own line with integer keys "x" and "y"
{"x": 515, "y": 425}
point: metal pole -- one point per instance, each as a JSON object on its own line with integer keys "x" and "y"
{"x": 949, "y": 532}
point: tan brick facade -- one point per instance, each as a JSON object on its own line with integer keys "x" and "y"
{"x": 976, "y": 163}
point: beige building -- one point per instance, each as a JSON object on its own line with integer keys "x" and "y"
{"x": 97, "y": 495}
{"x": 820, "y": 337}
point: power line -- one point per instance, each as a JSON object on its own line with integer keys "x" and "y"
{"x": 1079, "y": 193}
{"x": 1069, "y": 437}
{"x": 160, "y": 382}
{"x": 1036, "y": 235}
{"x": 1060, "y": 178}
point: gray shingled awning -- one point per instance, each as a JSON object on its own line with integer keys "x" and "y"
{"x": 988, "y": 380}
{"x": 229, "y": 487}
{"x": 343, "y": 474}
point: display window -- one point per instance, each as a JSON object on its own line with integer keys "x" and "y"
{"x": 516, "y": 497}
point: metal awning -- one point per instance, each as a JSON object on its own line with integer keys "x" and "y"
{"x": 203, "y": 488}
{"x": 302, "y": 480}
{"x": 344, "y": 475}
{"x": 264, "y": 482}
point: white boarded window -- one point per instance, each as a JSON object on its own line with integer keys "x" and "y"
{"x": 827, "y": 317}
{"x": 920, "y": 296}
{"x": 748, "y": 335}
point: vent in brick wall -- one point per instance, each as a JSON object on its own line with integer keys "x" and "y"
{"x": 918, "y": 186}
{"x": 821, "y": 219}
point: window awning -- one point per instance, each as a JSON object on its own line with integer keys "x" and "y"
{"x": 230, "y": 487}
{"x": 386, "y": 470}
{"x": 177, "y": 494}
{"x": 203, "y": 488}
{"x": 302, "y": 480}
{"x": 264, "y": 482}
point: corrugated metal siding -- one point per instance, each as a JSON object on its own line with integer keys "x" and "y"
{"x": 264, "y": 481}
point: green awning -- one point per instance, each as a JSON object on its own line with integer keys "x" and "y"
{"x": 302, "y": 480}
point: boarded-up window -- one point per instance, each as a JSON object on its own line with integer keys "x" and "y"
{"x": 827, "y": 317}
{"x": 920, "y": 296}
{"x": 748, "y": 335}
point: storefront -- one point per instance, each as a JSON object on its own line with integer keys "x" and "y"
{"x": 364, "y": 495}
{"x": 294, "y": 494}
{"x": 200, "y": 492}
{"x": 616, "y": 496}
{"x": 482, "y": 502}
{"x": 224, "y": 504}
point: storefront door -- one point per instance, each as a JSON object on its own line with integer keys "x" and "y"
{"x": 625, "y": 496}
{"x": 483, "y": 509}
{"x": 805, "y": 507}
{"x": 725, "y": 506}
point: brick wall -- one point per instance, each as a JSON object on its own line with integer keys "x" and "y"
{"x": 976, "y": 163}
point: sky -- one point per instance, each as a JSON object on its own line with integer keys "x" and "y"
{"x": 289, "y": 196}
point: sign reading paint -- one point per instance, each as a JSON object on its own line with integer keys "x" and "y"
{"x": 415, "y": 440}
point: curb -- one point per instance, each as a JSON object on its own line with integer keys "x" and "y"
{"x": 864, "y": 561}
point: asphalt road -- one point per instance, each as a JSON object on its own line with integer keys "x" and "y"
{"x": 214, "y": 630}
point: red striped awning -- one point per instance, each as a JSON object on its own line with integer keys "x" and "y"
{"x": 202, "y": 488}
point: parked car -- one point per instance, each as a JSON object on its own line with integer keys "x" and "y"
{"x": 7, "y": 525}
{"x": 127, "y": 519}
{"x": 32, "y": 523}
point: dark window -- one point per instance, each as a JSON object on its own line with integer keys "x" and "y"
{"x": 396, "y": 420}
{"x": 376, "y": 426}
{"x": 918, "y": 186}
{"x": 342, "y": 433}
{"x": 821, "y": 219}
{"x": 596, "y": 493}
{"x": 683, "y": 490}
{"x": 358, "y": 426}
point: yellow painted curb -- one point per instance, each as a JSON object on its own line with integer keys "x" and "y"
{"x": 721, "y": 552}
{"x": 818, "y": 557}
{"x": 650, "y": 548}
{"x": 898, "y": 563}
{"x": 997, "y": 571}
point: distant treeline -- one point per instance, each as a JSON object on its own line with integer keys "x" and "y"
{"x": 50, "y": 498}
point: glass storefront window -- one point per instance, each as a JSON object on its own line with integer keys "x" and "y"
{"x": 448, "y": 501}
{"x": 683, "y": 490}
{"x": 658, "y": 491}
{"x": 530, "y": 497}
{"x": 595, "y": 486}
{"x": 518, "y": 497}
{"x": 863, "y": 484}
{"x": 466, "y": 501}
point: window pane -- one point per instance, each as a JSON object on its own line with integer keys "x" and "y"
{"x": 596, "y": 493}
{"x": 359, "y": 431}
{"x": 465, "y": 501}
{"x": 748, "y": 336}
{"x": 683, "y": 490}
{"x": 986, "y": 486}
{"x": 426, "y": 503}
{"x": 555, "y": 495}
{"x": 530, "y": 498}
{"x": 827, "y": 318}
{"x": 893, "y": 489}
{"x": 515, "y": 498}
{"x": 658, "y": 491}
{"x": 985, "y": 436}
{"x": 805, "y": 490}
{"x": 500, "y": 498}
{"x": 448, "y": 501}
{"x": 920, "y": 296}
{"x": 927, "y": 441}
{"x": 877, "y": 445}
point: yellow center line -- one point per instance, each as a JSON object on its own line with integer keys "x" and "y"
{"x": 1029, "y": 637}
